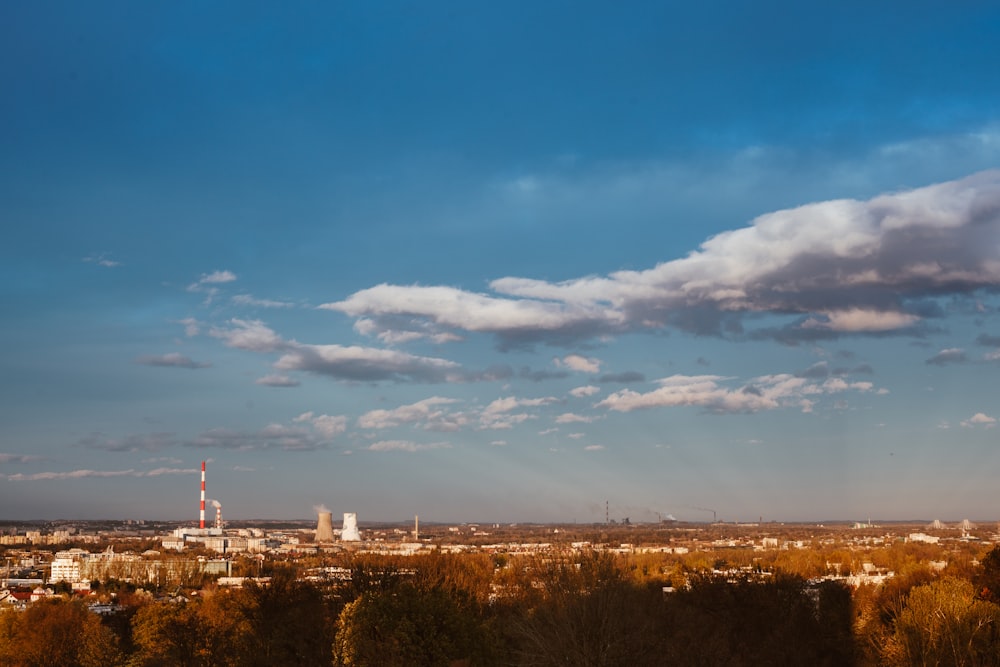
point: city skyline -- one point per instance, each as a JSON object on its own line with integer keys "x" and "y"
{"x": 500, "y": 263}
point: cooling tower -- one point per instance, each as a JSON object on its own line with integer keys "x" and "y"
{"x": 350, "y": 531}
{"x": 324, "y": 527}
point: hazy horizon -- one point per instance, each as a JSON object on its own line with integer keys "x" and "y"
{"x": 500, "y": 261}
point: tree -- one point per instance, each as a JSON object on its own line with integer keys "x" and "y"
{"x": 56, "y": 633}
{"x": 588, "y": 614}
{"x": 288, "y": 622}
{"x": 944, "y": 624}
{"x": 405, "y": 625}
{"x": 718, "y": 621}
{"x": 987, "y": 579}
{"x": 167, "y": 634}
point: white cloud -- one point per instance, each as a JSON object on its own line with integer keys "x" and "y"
{"x": 500, "y": 413}
{"x": 583, "y": 392}
{"x": 570, "y": 418}
{"x": 366, "y": 364}
{"x": 442, "y": 310}
{"x": 593, "y": 448}
{"x": 579, "y": 363}
{"x": 216, "y": 277}
{"x": 328, "y": 426}
{"x": 208, "y": 282}
{"x": 980, "y": 419}
{"x": 861, "y": 320}
{"x": 251, "y": 335}
{"x": 362, "y": 364}
{"x": 429, "y": 412}
{"x": 716, "y": 393}
{"x": 191, "y": 326}
{"x": 846, "y": 266}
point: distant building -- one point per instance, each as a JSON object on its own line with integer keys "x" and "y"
{"x": 67, "y": 565}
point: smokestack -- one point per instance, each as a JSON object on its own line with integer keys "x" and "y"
{"x": 416, "y": 527}
{"x": 201, "y": 517}
{"x": 218, "y": 516}
{"x": 349, "y": 533}
{"x": 324, "y": 527}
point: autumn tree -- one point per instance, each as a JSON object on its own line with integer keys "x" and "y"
{"x": 56, "y": 633}
{"x": 719, "y": 621}
{"x": 589, "y": 613}
{"x": 168, "y": 634}
{"x": 944, "y": 624}
{"x": 407, "y": 625}
{"x": 288, "y": 622}
{"x": 987, "y": 579}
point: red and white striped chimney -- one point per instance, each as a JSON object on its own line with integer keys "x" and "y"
{"x": 201, "y": 522}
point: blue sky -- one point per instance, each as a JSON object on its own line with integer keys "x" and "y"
{"x": 500, "y": 262}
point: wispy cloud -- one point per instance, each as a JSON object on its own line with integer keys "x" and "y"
{"x": 405, "y": 446}
{"x": 249, "y": 300}
{"x": 208, "y": 283}
{"x": 19, "y": 458}
{"x": 164, "y": 459}
{"x": 952, "y": 355}
{"x": 171, "y": 360}
{"x": 101, "y": 259}
{"x": 505, "y": 413}
{"x": 83, "y": 474}
{"x": 144, "y": 442}
{"x": 719, "y": 394}
{"x": 216, "y": 277}
{"x": 354, "y": 363}
{"x": 192, "y": 327}
{"x": 328, "y": 426}
{"x": 430, "y": 414}
{"x": 624, "y": 377}
{"x": 571, "y": 418}
{"x": 277, "y": 381}
{"x": 273, "y": 436}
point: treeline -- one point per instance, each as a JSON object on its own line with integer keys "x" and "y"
{"x": 591, "y": 609}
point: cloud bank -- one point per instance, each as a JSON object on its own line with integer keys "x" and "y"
{"x": 835, "y": 268}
